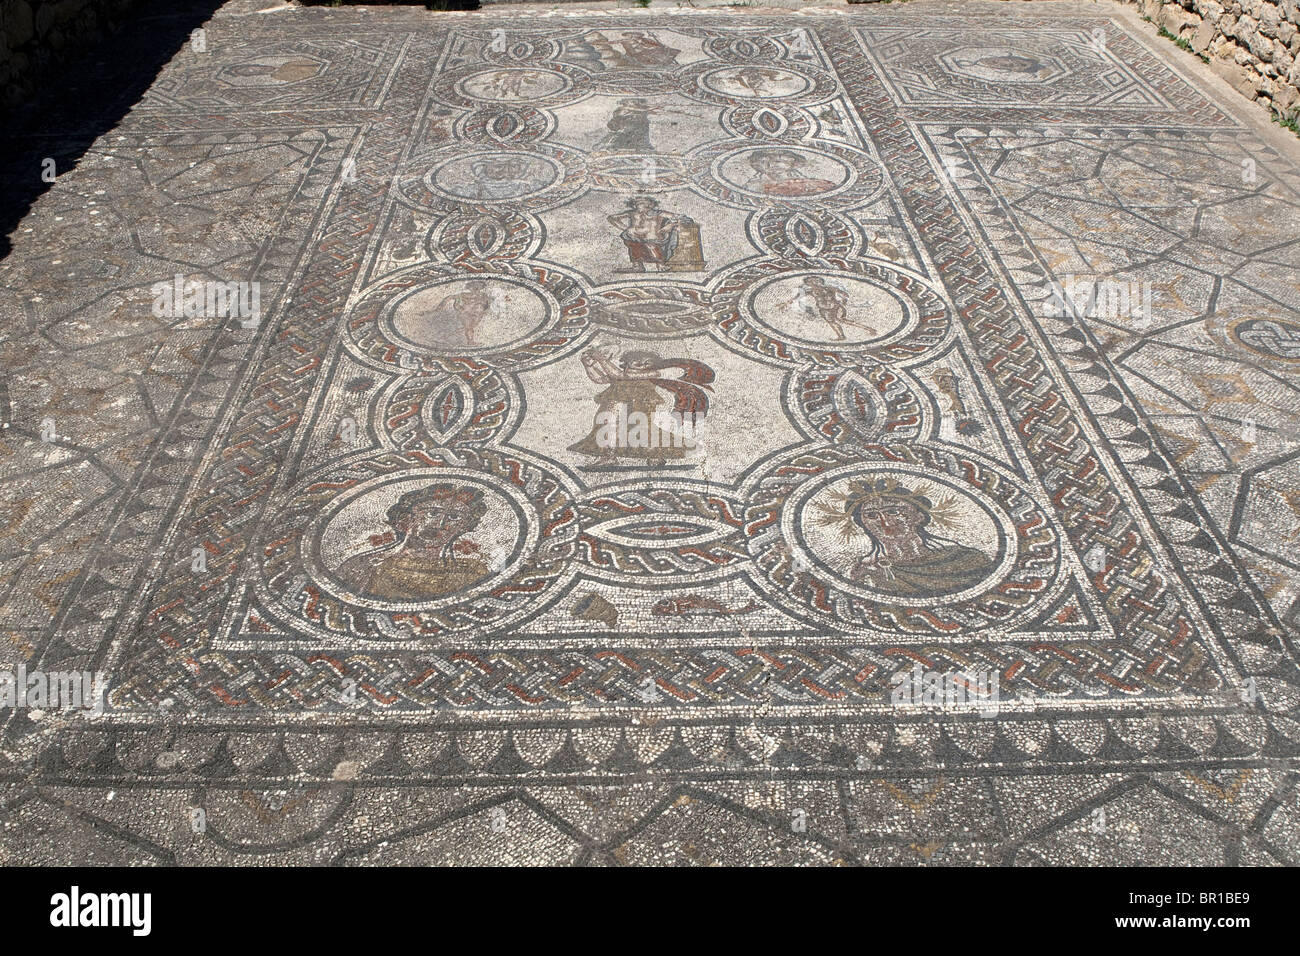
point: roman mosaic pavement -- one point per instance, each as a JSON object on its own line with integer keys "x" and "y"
{"x": 637, "y": 402}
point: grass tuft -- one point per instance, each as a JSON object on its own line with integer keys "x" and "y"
{"x": 1288, "y": 122}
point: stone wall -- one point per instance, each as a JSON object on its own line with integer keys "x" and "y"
{"x": 37, "y": 37}
{"x": 1253, "y": 44}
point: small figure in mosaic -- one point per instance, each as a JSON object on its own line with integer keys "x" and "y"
{"x": 634, "y": 50}
{"x": 881, "y": 245}
{"x": 502, "y": 177}
{"x": 658, "y": 240}
{"x": 759, "y": 81}
{"x": 629, "y": 127}
{"x": 516, "y": 84}
{"x": 423, "y": 556}
{"x": 593, "y": 607}
{"x": 407, "y": 232}
{"x": 457, "y": 316}
{"x": 826, "y": 301}
{"x": 904, "y": 554}
{"x": 630, "y": 420}
{"x": 946, "y": 382}
{"x": 646, "y": 50}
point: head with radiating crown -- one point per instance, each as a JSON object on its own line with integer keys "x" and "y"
{"x": 892, "y": 515}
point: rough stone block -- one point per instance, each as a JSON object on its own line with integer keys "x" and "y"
{"x": 1176, "y": 20}
{"x": 1285, "y": 100}
{"x": 1237, "y": 76}
{"x": 1209, "y": 9}
{"x": 1259, "y": 44}
{"x": 1203, "y": 35}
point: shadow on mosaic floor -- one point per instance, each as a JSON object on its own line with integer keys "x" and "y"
{"x": 87, "y": 99}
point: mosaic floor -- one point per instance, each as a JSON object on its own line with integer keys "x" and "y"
{"x": 636, "y": 437}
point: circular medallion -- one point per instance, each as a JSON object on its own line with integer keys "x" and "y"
{"x": 748, "y": 85}
{"x": 783, "y": 171}
{"x": 512, "y": 85}
{"x": 774, "y": 174}
{"x": 848, "y": 312}
{"x": 1272, "y": 337}
{"x": 755, "y": 81}
{"x": 902, "y": 538}
{"x": 495, "y": 176}
{"x": 896, "y": 533}
{"x": 410, "y": 545}
{"x": 422, "y": 541}
{"x": 820, "y": 309}
{"x": 507, "y": 182}
{"x": 463, "y": 316}
{"x": 1262, "y": 333}
{"x": 432, "y": 318}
